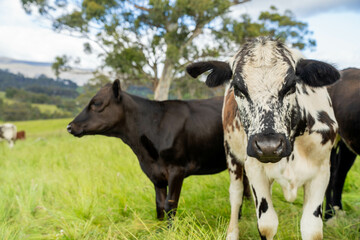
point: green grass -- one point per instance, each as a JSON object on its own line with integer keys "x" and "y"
{"x": 55, "y": 186}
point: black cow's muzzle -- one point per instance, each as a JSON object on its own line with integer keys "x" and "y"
{"x": 72, "y": 129}
{"x": 269, "y": 148}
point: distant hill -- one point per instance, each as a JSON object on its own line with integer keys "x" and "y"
{"x": 33, "y": 69}
{"x": 13, "y": 61}
{"x": 40, "y": 84}
{"x": 25, "y": 98}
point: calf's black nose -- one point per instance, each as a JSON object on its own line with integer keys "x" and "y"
{"x": 268, "y": 147}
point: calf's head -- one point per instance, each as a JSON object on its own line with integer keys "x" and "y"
{"x": 266, "y": 79}
{"x": 102, "y": 115}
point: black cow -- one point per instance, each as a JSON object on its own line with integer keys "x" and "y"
{"x": 171, "y": 139}
{"x": 345, "y": 96}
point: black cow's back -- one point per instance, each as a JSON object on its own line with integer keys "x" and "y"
{"x": 345, "y": 96}
{"x": 205, "y": 137}
{"x": 189, "y": 134}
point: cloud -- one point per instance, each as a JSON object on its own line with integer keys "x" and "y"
{"x": 337, "y": 40}
{"x": 26, "y": 37}
{"x": 309, "y": 8}
{"x": 302, "y": 9}
{"x": 334, "y": 24}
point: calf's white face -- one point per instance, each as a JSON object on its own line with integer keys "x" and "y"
{"x": 264, "y": 83}
{"x": 267, "y": 78}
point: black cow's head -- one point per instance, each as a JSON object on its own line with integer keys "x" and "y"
{"x": 102, "y": 115}
{"x": 267, "y": 79}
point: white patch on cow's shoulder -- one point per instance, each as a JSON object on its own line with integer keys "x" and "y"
{"x": 316, "y": 100}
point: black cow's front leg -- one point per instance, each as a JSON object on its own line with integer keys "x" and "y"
{"x": 176, "y": 178}
{"x": 160, "y": 201}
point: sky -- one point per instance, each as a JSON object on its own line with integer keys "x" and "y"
{"x": 335, "y": 25}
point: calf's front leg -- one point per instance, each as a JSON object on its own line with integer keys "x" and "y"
{"x": 261, "y": 188}
{"x": 314, "y": 191}
{"x": 236, "y": 190}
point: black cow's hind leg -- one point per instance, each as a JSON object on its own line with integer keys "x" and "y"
{"x": 160, "y": 201}
{"x": 334, "y": 164}
{"x": 346, "y": 160}
{"x": 340, "y": 166}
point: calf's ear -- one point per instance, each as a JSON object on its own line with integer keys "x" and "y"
{"x": 220, "y": 72}
{"x": 315, "y": 73}
{"x": 116, "y": 88}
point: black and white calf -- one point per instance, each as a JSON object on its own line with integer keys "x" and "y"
{"x": 279, "y": 123}
{"x": 8, "y": 133}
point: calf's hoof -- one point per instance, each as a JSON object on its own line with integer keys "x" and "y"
{"x": 233, "y": 235}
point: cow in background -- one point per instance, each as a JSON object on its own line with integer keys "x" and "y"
{"x": 345, "y": 97}
{"x": 8, "y": 133}
{"x": 20, "y": 135}
{"x": 279, "y": 123}
{"x": 171, "y": 139}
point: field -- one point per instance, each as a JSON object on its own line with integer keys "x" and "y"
{"x": 44, "y": 108}
{"x": 55, "y": 186}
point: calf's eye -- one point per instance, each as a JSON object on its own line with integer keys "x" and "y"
{"x": 238, "y": 92}
{"x": 97, "y": 103}
{"x": 290, "y": 91}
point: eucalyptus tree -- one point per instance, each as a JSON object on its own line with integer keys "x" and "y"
{"x": 150, "y": 41}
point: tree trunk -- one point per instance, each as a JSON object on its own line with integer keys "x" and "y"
{"x": 162, "y": 88}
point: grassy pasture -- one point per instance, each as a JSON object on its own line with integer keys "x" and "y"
{"x": 55, "y": 186}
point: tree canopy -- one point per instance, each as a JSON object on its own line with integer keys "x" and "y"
{"x": 150, "y": 41}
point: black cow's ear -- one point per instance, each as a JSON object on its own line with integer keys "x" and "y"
{"x": 116, "y": 88}
{"x": 315, "y": 73}
{"x": 220, "y": 72}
